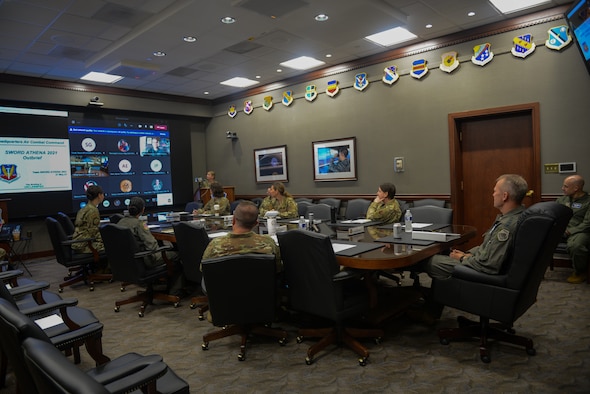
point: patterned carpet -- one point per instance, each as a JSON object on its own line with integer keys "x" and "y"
{"x": 410, "y": 358}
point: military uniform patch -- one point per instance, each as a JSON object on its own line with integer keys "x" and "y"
{"x": 503, "y": 235}
{"x": 449, "y": 62}
{"x": 360, "y": 81}
{"x": 390, "y": 75}
{"x": 267, "y": 103}
{"x": 287, "y": 97}
{"x": 310, "y": 93}
{"x": 232, "y": 112}
{"x": 559, "y": 37}
{"x": 333, "y": 88}
{"x": 482, "y": 54}
{"x": 248, "y": 107}
{"x": 523, "y": 45}
{"x": 419, "y": 68}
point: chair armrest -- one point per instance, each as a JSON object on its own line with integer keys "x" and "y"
{"x": 347, "y": 274}
{"x": 28, "y": 288}
{"x": 150, "y": 252}
{"x": 139, "y": 379}
{"x": 52, "y": 306}
{"x": 122, "y": 366}
{"x": 72, "y": 241}
{"x": 65, "y": 340}
{"x": 471, "y": 275}
{"x": 8, "y": 275}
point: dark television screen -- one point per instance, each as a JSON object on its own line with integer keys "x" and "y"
{"x": 578, "y": 17}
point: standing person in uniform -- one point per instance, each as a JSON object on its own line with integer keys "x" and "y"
{"x": 88, "y": 221}
{"x": 385, "y": 207}
{"x": 577, "y": 233}
{"x": 280, "y": 200}
{"x": 146, "y": 241}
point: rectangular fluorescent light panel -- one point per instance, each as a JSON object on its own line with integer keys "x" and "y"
{"x": 392, "y": 36}
{"x": 302, "y": 63}
{"x": 239, "y": 82}
{"x": 101, "y": 77}
{"x": 508, "y": 6}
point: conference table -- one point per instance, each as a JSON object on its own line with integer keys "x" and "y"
{"x": 372, "y": 250}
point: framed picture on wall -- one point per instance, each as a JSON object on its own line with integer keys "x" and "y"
{"x": 271, "y": 164}
{"x": 334, "y": 160}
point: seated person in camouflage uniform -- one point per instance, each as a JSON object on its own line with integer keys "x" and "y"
{"x": 385, "y": 207}
{"x": 217, "y": 198}
{"x": 280, "y": 200}
{"x": 88, "y": 221}
{"x": 577, "y": 233}
{"x": 146, "y": 241}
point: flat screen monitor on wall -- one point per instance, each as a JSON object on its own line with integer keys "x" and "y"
{"x": 125, "y": 156}
{"x": 578, "y": 18}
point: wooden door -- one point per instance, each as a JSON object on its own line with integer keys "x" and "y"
{"x": 484, "y": 145}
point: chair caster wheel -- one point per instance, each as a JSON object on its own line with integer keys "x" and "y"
{"x": 61, "y": 290}
{"x": 91, "y": 288}
{"x": 193, "y": 306}
{"x": 122, "y": 289}
{"x": 176, "y": 304}
{"x": 363, "y": 361}
{"x": 117, "y": 308}
{"x": 205, "y": 346}
{"x": 283, "y": 341}
{"x": 241, "y": 356}
{"x": 486, "y": 358}
{"x": 201, "y": 317}
{"x": 444, "y": 341}
{"x": 140, "y": 314}
{"x": 531, "y": 351}
{"x": 299, "y": 339}
{"x": 308, "y": 360}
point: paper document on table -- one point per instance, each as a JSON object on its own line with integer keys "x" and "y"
{"x": 153, "y": 225}
{"x": 49, "y": 321}
{"x": 420, "y": 225}
{"x": 219, "y": 234}
{"x": 340, "y": 247}
{"x": 356, "y": 221}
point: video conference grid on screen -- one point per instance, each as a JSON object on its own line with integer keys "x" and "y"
{"x": 126, "y": 161}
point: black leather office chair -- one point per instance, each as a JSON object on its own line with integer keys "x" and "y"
{"x": 357, "y": 208}
{"x": 242, "y": 296}
{"x": 432, "y": 214}
{"x": 320, "y": 211}
{"x": 124, "y": 374}
{"x": 114, "y": 218}
{"x": 507, "y": 296}
{"x": 303, "y": 199}
{"x": 233, "y": 205}
{"x": 128, "y": 267}
{"x": 88, "y": 263}
{"x": 257, "y": 201}
{"x": 191, "y": 242}
{"x": 317, "y": 287}
{"x": 66, "y": 223}
{"x": 429, "y": 201}
{"x": 333, "y": 202}
{"x": 192, "y": 205}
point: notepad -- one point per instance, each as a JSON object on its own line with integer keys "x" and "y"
{"x": 340, "y": 247}
{"x": 219, "y": 234}
{"x": 49, "y": 321}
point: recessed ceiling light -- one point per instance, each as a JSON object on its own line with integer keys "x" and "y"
{"x": 321, "y": 17}
{"x": 471, "y": 13}
{"x": 429, "y": 26}
{"x": 159, "y": 53}
{"x": 391, "y": 36}
{"x": 258, "y": 77}
{"x": 279, "y": 70}
{"x": 302, "y": 63}
{"x": 189, "y": 39}
{"x": 239, "y": 82}
{"x": 228, "y": 20}
{"x": 508, "y": 6}
{"x": 205, "y": 93}
{"x": 101, "y": 77}
{"x": 328, "y": 55}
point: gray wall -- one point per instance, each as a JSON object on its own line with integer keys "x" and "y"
{"x": 410, "y": 119}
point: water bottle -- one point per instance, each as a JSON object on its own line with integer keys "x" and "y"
{"x": 408, "y": 221}
{"x": 310, "y": 225}
{"x": 271, "y": 225}
{"x": 301, "y": 223}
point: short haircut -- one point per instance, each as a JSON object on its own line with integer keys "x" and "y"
{"x": 515, "y": 185}
{"x": 344, "y": 151}
{"x": 212, "y": 173}
{"x": 216, "y": 189}
{"x": 388, "y": 188}
{"x": 246, "y": 214}
{"x": 136, "y": 206}
{"x": 93, "y": 191}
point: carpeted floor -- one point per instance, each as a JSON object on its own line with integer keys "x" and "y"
{"x": 409, "y": 359}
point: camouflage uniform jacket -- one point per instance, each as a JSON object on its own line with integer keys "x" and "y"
{"x": 287, "y": 208}
{"x": 491, "y": 254}
{"x": 389, "y": 212}
{"x": 224, "y": 206}
{"x": 250, "y": 242}
{"x": 580, "y": 222}
{"x": 87, "y": 226}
